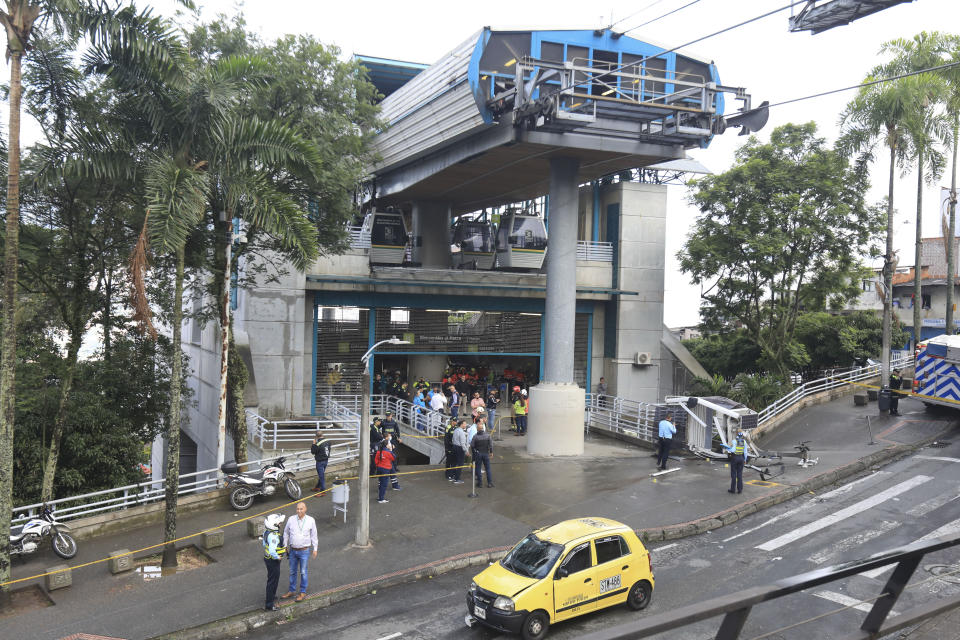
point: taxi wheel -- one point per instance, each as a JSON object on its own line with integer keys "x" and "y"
{"x": 535, "y": 626}
{"x": 639, "y": 596}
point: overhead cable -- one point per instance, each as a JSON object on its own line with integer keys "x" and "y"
{"x": 658, "y": 17}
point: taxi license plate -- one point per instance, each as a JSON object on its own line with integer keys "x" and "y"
{"x": 480, "y": 612}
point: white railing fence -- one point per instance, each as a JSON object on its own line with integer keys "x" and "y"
{"x": 596, "y": 251}
{"x": 427, "y": 420}
{"x": 359, "y": 238}
{"x": 631, "y": 417}
{"x": 278, "y": 432}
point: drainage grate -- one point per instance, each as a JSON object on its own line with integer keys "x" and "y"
{"x": 939, "y": 445}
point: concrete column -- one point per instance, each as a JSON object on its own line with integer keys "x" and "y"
{"x": 431, "y": 224}
{"x": 561, "y": 301}
{"x": 556, "y": 404}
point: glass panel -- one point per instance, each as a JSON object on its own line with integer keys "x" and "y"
{"x": 608, "y": 549}
{"x": 654, "y": 68}
{"x": 503, "y": 51}
{"x": 551, "y": 51}
{"x": 578, "y": 560}
{"x": 528, "y": 233}
{"x": 388, "y": 230}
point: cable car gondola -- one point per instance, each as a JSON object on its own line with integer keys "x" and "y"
{"x": 388, "y": 237}
{"x": 473, "y": 244}
{"x": 521, "y": 241}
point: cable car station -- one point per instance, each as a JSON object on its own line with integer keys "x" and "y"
{"x": 504, "y": 229}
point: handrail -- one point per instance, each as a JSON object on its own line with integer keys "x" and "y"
{"x": 344, "y": 449}
{"x": 736, "y": 607}
{"x": 595, "y": 251}
{"x": 429, "y": 421}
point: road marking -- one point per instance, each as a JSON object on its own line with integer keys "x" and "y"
{"x": 941, "y": 459}
{"x": 847, "y": 601}
{"x": 391, "y": 636}
{"x": 949, "y": 529}
{"x": 924, "y": 508}
{"x": 664, "y": 547}
{"x": 833, "y": 551}
{"x": 843, "y": 514}
{"x": 830, "y": 494}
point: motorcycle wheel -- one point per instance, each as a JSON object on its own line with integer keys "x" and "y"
{"x": 64, "y": 545}
{"x": 241, "y": 498}
{"x": 292, "y": 488}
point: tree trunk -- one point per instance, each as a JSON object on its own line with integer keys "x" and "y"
{"x": 917, "y": 290}
{"x": 107, "y": 315}
{"x": 224, "y": 342}
{"x": 8, "y": 358}
{"x": 951, "y": 259}
{"x": 888, "y": 276}
{"x": 66, "y": 386}
{"x": 173, "y": 427}
{"x": 237, "y": 382}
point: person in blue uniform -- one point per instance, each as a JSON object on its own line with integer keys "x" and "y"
{"x": 273, "y": 552}
{"x": 738, "y": 457}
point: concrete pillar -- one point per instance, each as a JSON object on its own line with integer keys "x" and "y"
{"x": 556, "y": 404}
{"x": 431, "y": 231}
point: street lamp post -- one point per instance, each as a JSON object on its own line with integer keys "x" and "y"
{"x": 362, "y": 539}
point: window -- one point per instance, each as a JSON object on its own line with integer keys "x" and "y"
{"x": 399, "y": 316}
{"x": 578, "y": 560}
{"x": 925, "y": 299}
{"x": 610, "y": 548}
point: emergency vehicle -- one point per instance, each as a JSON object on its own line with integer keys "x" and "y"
{"x": 561, "y": 572}
{"x": 937, "y": 371}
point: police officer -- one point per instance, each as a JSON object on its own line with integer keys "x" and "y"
{"x": 273, "y": 552}
{"x": 666, "y": 431}
{"x": 448, "y": 451}
{"x": 482, "y": 452}
{"x": 321, "y": 453}
{"x": 896, "y": 383}
{"x": 738, "y": 457}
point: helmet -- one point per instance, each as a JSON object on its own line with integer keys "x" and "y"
{"x": 524, "y": 392}
{"x": 273, "y": 521}
{"x": 517, "y": 388}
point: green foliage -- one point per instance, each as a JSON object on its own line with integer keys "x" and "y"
{"x": 715, "y": 386}
{"x": 844, "y": 341}
{"x": 758, "y": 391}
{"x": 117, "y": 408}
{"x": 778, "y": 233}
{"x": 726, "y": 354}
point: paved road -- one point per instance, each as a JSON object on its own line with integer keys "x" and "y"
{"x": 912, "y": 499}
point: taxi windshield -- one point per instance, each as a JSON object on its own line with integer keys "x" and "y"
{"x": 532, "y": 557}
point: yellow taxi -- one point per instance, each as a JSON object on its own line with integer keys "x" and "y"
{"x": 561, "y": 572}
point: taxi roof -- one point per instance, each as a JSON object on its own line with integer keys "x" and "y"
{"x": 569, "y": 530}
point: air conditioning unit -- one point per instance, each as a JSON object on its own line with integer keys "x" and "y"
{"x": 642, "y": 357}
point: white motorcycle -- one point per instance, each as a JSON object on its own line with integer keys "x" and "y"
{"x": 28, "y": 537}
{"x": 248, "y": 485}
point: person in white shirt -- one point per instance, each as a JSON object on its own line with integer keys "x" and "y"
{"x": 300, "y": 535}
{"x": 438, "y": 401}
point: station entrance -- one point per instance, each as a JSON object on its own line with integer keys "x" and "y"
{"x": 496, "y": 349}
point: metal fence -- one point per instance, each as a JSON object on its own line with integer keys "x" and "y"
{"x": 735, "y": 608}
{"x": 635, "y": 418}
{"x": 359, "y": 238}
{"x": 427, "y": 420}
{"x": 273, "y": 432}
{"x": 596, "y": 251}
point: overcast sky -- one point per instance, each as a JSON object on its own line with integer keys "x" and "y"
{"x": 772, "y": 63}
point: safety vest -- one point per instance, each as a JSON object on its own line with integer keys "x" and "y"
{"x": 738, "y": 447}
{"x": 281, "y": 550}
{"x": 520, "y": 408}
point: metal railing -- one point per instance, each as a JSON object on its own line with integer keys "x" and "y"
{"x": 736, "y": 607}
{"x": 118, "y": 498}
{"x": 339, "y": 413}
{"x": 899, "y": 359}
{"x": 427, "y": 420}
{"x": 620, "y": 415}
{"x": 635, "y": 418}
{"x": 359, "y": 237}
{"x": 596, "y": 251}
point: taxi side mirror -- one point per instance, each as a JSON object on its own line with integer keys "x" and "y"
{"x": 562, "y": 572}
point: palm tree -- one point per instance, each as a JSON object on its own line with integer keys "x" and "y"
{"x": 925, "y": 129}
{"x": 951, "y": 46}
{"x": 206, "y": 155}
{"x": 143, "y": 36}
{"x": 882, "y": 112}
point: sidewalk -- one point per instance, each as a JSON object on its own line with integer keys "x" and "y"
{"x": 431, "y": 525}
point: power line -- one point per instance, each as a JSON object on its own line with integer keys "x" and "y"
{"x": 635, "y": 13}
{"x": 866, "y": 84}
{"x": 701, "y": 39}
{"x": 658, "y": 17}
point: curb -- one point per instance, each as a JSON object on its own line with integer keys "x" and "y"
{"x": 242, "y": 622}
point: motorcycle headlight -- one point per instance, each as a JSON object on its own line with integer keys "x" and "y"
{"x": 503, "y": 603}
{"x": 473, "y": 587}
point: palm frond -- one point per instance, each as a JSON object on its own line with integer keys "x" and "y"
{"x": 177, "y": 198}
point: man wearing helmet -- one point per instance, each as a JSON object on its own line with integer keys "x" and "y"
{"x": 273, "y": 551}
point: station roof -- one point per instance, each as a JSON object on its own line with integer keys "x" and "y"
{"x": 389, "y": 75}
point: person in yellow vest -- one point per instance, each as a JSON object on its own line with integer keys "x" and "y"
{"x": 738, "y": 457}
{"x": 520, "y": 412}
{"x": 273, "y": 552}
